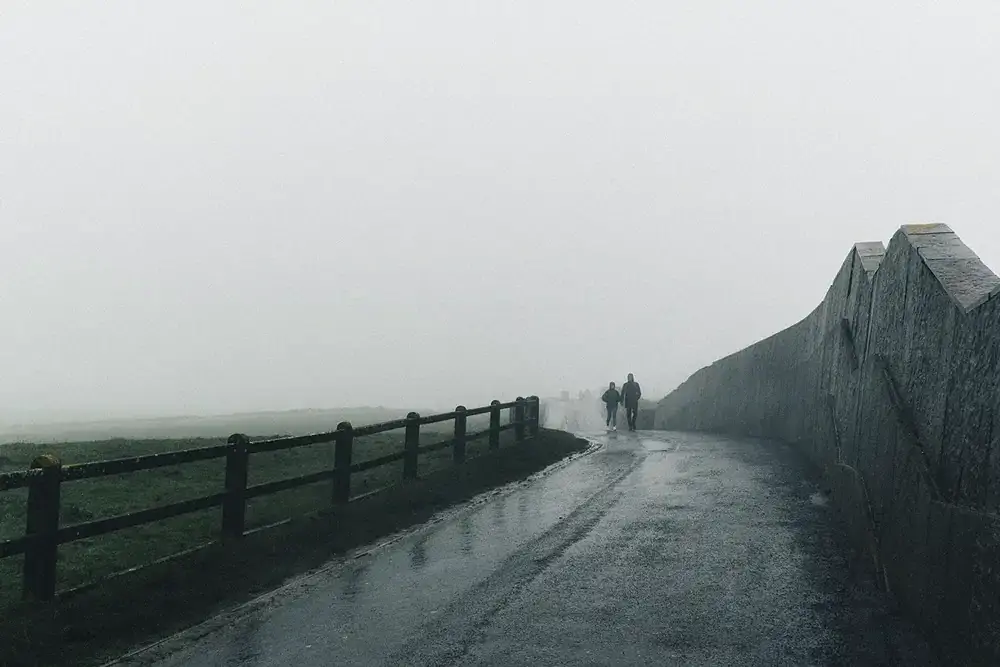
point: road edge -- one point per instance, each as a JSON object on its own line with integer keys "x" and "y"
{"x": 171, "y": 644}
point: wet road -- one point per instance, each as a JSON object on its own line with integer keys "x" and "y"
{"x": 667, "y": 549}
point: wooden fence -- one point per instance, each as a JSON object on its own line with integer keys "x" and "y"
{"x": 43, "y": 534}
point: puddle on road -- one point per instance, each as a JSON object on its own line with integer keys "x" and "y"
{"x": 659, "y": 445}
{"x": 820, "y": 499}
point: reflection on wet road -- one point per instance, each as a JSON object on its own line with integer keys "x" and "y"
{"x": 665, "y": 548}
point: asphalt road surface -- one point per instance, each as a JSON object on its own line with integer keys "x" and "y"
{"x": 656, "y": 549}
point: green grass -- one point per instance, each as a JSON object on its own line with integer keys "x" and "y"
{"x": 87, "y": 560}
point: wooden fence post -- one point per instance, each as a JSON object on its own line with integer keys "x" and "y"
{"x": 342, "y": 463}
{"x": 535, "y": 411}
{"x": 494, "y": 424}
{"x": 519, "y": 419}
{"x": 411, "y": 445}
{"x": 43, "y": 523}
{"x": 234, "y": 507}
{"x": 458, "y": 454}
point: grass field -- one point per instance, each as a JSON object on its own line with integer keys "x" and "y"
{"x": 87, "y": 560}
{"x": 288, "y": 422}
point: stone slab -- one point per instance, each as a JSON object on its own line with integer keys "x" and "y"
{"x": 926, "y": 228}
{"x": 941, "y": 246}
{"x": 969, "y": 282}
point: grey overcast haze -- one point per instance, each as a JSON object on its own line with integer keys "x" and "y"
{"x": 210, "y": 207}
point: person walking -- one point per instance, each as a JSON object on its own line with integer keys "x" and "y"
{"x": 611, "y": 400}
{"x": 631, "y": 393}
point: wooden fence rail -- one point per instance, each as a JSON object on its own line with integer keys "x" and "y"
{"x": 44, "y": 480}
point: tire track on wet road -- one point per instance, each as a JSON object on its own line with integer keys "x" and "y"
{"x": 449, "y": 636}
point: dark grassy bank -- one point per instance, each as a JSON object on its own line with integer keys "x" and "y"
{"x": 85, "y": 500}
{"x": 158, "y": 600}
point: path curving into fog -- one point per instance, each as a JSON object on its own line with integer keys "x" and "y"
{"x": 658, "y": 548}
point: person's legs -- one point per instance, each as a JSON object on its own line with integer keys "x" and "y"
{"x": 632, "y": 413}
{"x": 607, "y": 422}
{"x": 614, "y": 416}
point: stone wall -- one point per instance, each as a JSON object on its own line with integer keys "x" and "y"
{"x": 892, "y": 385}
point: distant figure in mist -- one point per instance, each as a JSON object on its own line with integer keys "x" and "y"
{"x": 611, "y": 399}
{"x": 631, "y": 393}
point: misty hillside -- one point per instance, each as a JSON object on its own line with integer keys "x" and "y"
{"x": 290, "y": 422}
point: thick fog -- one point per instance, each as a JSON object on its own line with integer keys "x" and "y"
{"x": 218, "y": 206}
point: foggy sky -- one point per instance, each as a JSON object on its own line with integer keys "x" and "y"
{"x": 219, "y": 206}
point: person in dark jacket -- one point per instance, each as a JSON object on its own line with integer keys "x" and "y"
{"x": 631, "y": 393}
{"x": 611, "y": 399}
